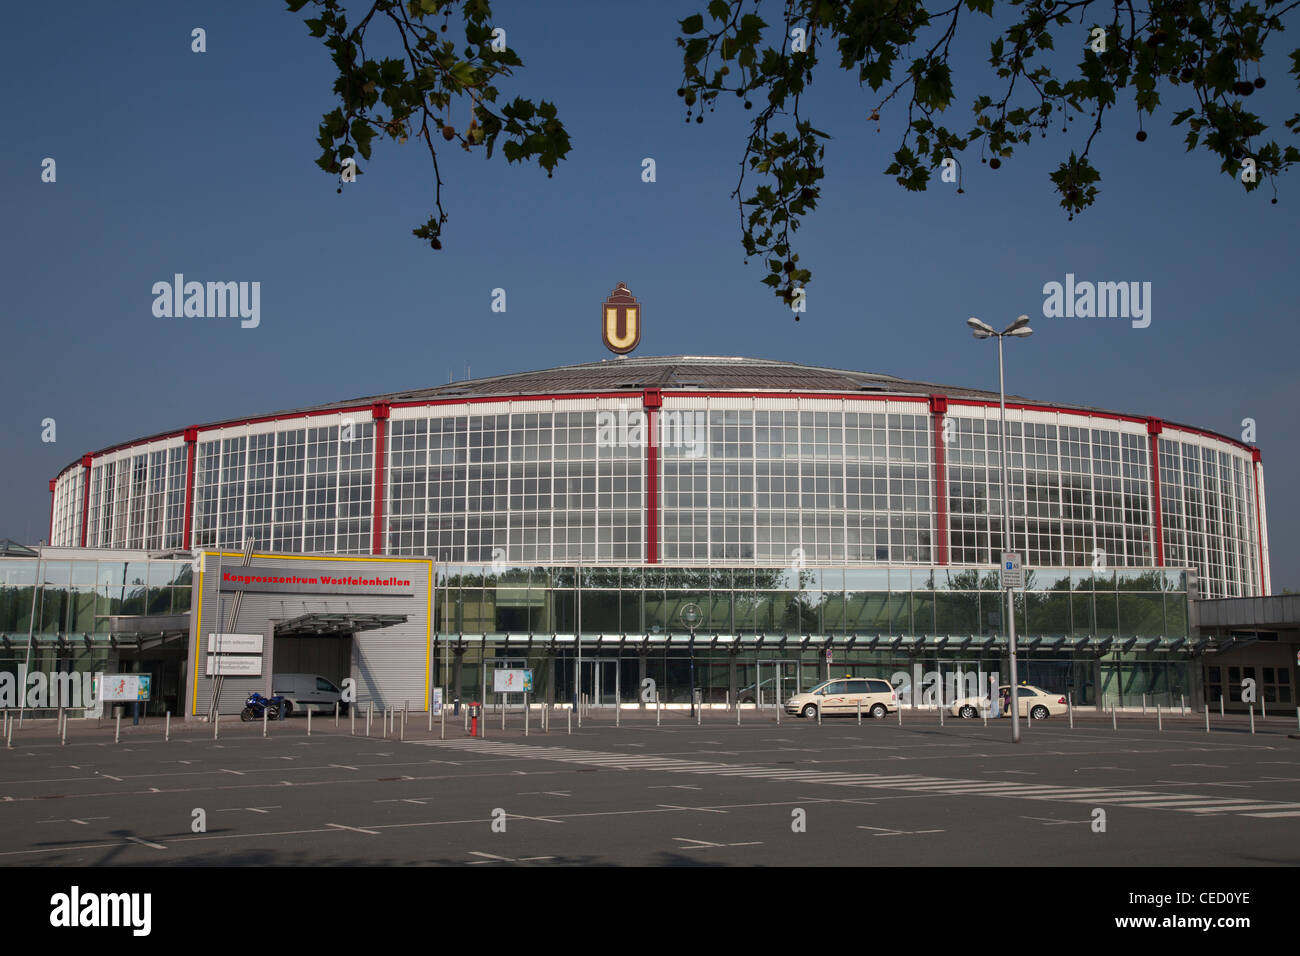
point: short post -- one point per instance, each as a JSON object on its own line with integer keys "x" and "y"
{"x": 308, "y": 721}
{"x": 940, "y": 715}
{"x": 402, "y": 730}
{"x": 1297, "y": 717}
{"x": 1069, "y": 708}
{"x": 618, "y": 714}
{"x": 1029, "y": 717}
{"x": 352, "y": 721}
{"x": 1220, "y": 705}
{"x": 1207, "y": 717}
{"x": 1114, "y": 724}
{"x": 900, "y": 713}
{"x": 737, "y": 713}
{"x": 779, "y": 708}
{"x": 657, "y": 709}
{"x": 525, "y": 713}
{"x": 1160, "y": 724}
{"x": 63, "y": 733}
{"x": 370, "y": 709}
{"x": 699, "y": 712}
{"x": 167, "y": 727}
{"x": 216, "y": 725}
{"x": 1252, "y": 718}
{"x": 1263, "y": 707}
{"x": 9, "y": 734}
{"x": 265, "y": 711}
{"x": 117, "y": 728}
{"x": 503, "y": 713}
{"x": 819, "y": 716}
{"x": 442, "y": 722}
{"x": 1182, "y": 705}
{"x": 859, "y": 712}
{"x": 336, "y": 713}
{"x": 568, "y": 715}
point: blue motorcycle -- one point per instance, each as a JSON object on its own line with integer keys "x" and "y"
{"x": 256, "y": 705}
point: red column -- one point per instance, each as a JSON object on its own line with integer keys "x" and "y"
{"x": 938, "y": 409}
{"x": 1259, "y": 518}
{"x": 85, "y": 495}
{"x": 653, "y": 400}
{"x": 379, "y": 413}
{"x": 191, "y": 452}
{"x": 1154, "y": 428}
{"x": 50, "y": 538}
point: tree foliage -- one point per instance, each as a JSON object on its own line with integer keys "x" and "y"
{"x": 1206, "y": 54}
{"x": 418, "y": 90}
{"x": 1051, "y": 64}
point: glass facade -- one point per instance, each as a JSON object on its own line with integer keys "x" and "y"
{"x": 738, "y": 481}
{"x": 54, "y": 613}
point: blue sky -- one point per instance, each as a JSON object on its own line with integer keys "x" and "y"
{"x": 171, "y": 161}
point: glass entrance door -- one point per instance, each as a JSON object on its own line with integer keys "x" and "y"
{"x": 600, "y": 682}
{"x": 775, "y": 683}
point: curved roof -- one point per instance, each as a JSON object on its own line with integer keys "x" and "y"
{"x": 705, "y": 373}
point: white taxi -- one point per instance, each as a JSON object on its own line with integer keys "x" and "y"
{"x": 1033, "y": 702}
{"x": 843, "y": 695}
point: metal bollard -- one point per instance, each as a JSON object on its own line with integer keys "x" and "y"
{"x": 819, "y": 716}
{"x": 900, "y": 713}
{"x": 941, "y": 715}
{"x": 1263, "y": 707}
{"x": 117, "y": 728}
{"x": 569, "y": 718}
{"x": 1069, "y": 708}
{"x": 503, "y": 716}
{"x": 859, "y": 713}
{"x": 9, "y": 734}
{"x": 1144, "y": 705}
{"x": 370, "y": 709}
{"x": 63, "y": 733}
{"x": 336, "y": 713}
{"x": 1160, "y": 724}
{"x": 699, "y": 713}
{"x": 737, "y": 713}
{"x": 525, "y": 720}
{"x": 1114, "y": 723}
{"x": 442, "y": 722}
{"x": 308, "y": 721}
{"x": 352, "y": 721}
{"x": 657, "y": 709}
{"x": 618, "y": 715}
{"x": 778, "y": 713}
{"x": 265, "y": 711}
{"x": 1207, "y": 717}
{"x": 402, "y": 730}
{"x": 1220, "y": 705}
{"x": 1252, "y": 718}
{"x": 1182, "y": 705}
{"x": 216, "y": 726}
{"x": 167, "y": 727}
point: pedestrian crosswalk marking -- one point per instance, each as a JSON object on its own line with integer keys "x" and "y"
{"x": 913, "y": 783}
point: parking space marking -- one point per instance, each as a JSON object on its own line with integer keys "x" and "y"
{"x": 152, "y": 846}
{"x": 339, "y": 826}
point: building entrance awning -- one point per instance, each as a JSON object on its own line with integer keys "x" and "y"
{"x": 335, "y": 624}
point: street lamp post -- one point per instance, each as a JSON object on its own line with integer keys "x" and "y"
{"x": 1017, "y": 329}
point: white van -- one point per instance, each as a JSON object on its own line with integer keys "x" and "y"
{"x": 303, "y": 691}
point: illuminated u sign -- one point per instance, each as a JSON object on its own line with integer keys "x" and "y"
{"x": 621, "y": 321}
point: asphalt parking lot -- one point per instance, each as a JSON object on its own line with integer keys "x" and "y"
{"x": 760, "y": 794}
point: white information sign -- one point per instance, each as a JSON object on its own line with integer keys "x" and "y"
{"x": 1013, "y": 575}
{"x": 508, "y": 680}
{"x": 234, "y": 643}
{"x": 225, "y": 665}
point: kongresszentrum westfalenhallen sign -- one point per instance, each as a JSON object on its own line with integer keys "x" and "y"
{"x": 296, "y": 581}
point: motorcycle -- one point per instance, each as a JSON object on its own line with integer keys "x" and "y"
{"x": 257, "y": 704}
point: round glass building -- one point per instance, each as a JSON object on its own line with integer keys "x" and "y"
{"x": 687, "y": 462}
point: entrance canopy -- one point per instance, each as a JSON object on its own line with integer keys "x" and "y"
{"x": 336, "y": 624}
